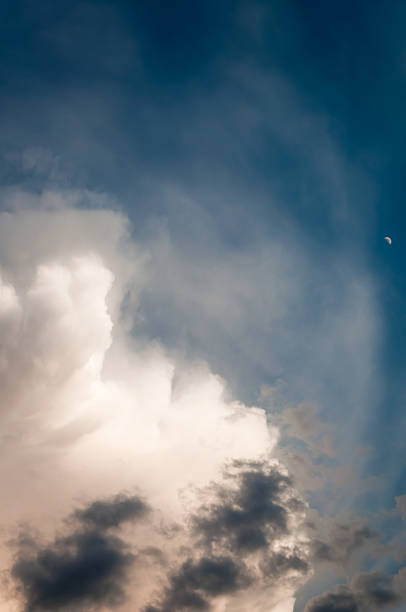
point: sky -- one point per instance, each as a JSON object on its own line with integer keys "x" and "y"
{"x": 202, "y": 326}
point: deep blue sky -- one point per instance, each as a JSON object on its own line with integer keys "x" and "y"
{"x": 276, "y": 117}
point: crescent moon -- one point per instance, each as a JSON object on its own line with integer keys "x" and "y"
{"x": 388, "y": 240}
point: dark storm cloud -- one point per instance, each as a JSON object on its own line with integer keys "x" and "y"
{"x": 243, "y": 519}
{"x": 196, "y": 583}
{"x": 76, "y": 571}
{"x": 86, "y": 567}
{"x": 339, "y": 600}
{"x": 368, "y": 591}
{"x": 111, "y": 513}
{"x": 375, "y": 590}
{"x": 247, "y": 513}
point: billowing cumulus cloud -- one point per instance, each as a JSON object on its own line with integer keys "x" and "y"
{"x": 137, "y": 469}
{"x": 172, "y": 490}
{"x": 115, "y": 448}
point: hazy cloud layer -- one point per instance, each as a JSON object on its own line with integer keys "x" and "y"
{"x": 342, "y": 541}
{"x": 401, "y": 505}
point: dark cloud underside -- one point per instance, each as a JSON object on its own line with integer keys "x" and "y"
{"x": 244, "y": 518}
{"x": 367, "y": 592}
{"x": 249, "y": 512}
{"x": 85, "y": 568}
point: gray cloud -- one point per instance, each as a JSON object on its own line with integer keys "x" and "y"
{"x": 235, "y": 541}
{"x": 302, "y": 421}
{"x": 239, "y": 539}
{"x": 339, "y": 600}
{"x": 84, "y": 568}
{"x": 367, "y": 591}
{"x": 401, "y": 505}
{"x": 246, "y": 517}
{"x": 281, "y": 563}
{"x": 342, "y": 541}
{"x": 195, "y": 583}
{"x": 76, "y": 572}
{"x": 111, "y": 513}
{"x": 375, "y": 590}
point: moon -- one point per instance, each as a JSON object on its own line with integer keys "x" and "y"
{"x": 388, "y": 240}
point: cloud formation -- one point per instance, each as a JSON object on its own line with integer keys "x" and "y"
{"x": 108, "y": 514}
{"x": 89, "y": 565}
{"x": 104, "y": 410}
{"x": 84, "y": 568}
{"x": 367, "y": 591}
{"x": 246, "y": 534}
{"x": 195, "y": 584}
{"x": 90, "y": 411}
{"x": 342, "y": 541}
{"x": 251, "y": 514}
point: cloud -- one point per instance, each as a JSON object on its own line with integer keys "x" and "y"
{"x": 343, "y": 541}
{"x": 88, "y": 400}
{"x": 80, "y": 570}
{"x": 89, "y": 409}
{"x": 401, "y": 505}
{"x": 367, "y": 591}
{"x": 103, "y": 408}
{"x": 375, "y": 590}
{"x": 108, "y": 514}
{"x": 301, "y": 421}
{"x": 195, "y": 584}
{"x": 340, "y": 600}
{"x": 84, "y": 568}
{"x": 252, "y": 513}
{"x": 250, "y": 311}
{"x": 90, "y": 564}
{"x": 246, "y": 535}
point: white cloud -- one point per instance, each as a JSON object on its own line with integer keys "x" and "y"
{"x": 86, "y": 411}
